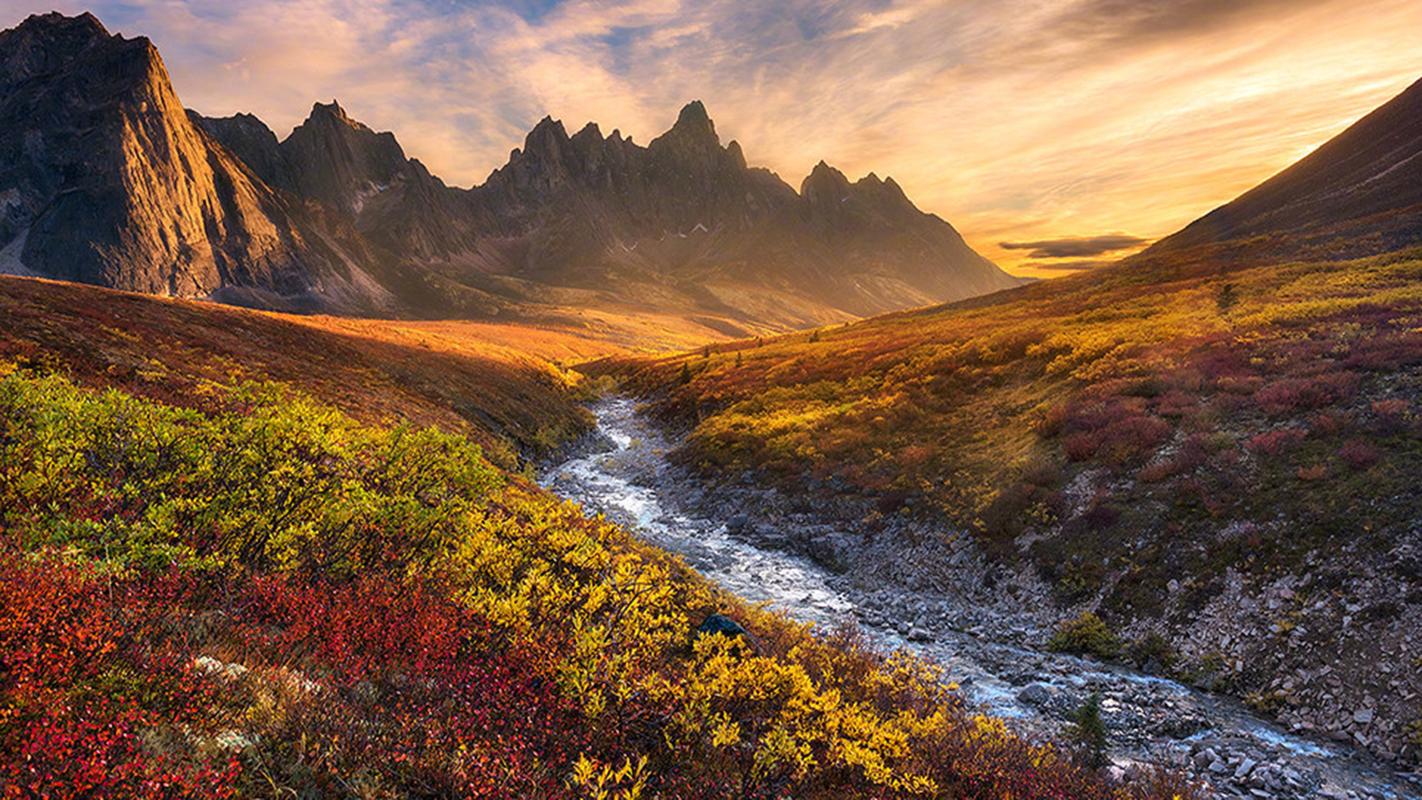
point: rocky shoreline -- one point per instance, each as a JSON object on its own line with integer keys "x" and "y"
{"x": 911, "y": 585}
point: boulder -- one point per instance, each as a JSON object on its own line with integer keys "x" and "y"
{"x": 1035, "y": 694}
{"x": 721, "y": 625}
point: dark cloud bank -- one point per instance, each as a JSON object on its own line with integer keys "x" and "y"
{"x": 1076, "y": 247}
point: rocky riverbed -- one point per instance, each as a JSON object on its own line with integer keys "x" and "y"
{"x": 980, "y": 625}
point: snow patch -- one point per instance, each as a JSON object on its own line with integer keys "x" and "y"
{"x": 371, "y": 190}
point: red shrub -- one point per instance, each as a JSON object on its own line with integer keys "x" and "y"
{"x": 60, "y": 752}
{"x": 1131, "y": 438}
{"x": 1080, "y": 446}
{"x": 1294, "y": 394}
{"x": 1386, "y": 352}
{"x": 418, "y": 683}
{"x": 1328, "y": 423}
{"x": 1391, "y": 407}
{"x": 1358, "y": 454}
{"x": 64, "y": 736}
{"x": 1391, "y": 414}
{"x": 1176, "y": 403}
{"x": 1118, "y": 441}
{"x": 1272, "y": 443}
{"x": 1191, "y": 455}
{"x": 51, "y": 633}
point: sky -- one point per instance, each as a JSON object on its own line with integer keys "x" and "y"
{"x": 1054, "y": 134}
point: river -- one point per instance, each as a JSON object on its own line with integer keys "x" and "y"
{"x": 1151, "y": 720}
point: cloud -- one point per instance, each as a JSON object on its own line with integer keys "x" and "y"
{"x": 1013, "y": 120}
{"x": 1076, "y": 247}
{"x": 1079, "y": 265}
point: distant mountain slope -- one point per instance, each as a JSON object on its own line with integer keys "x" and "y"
{"x": 685, "y": 216}
{"x": 105, "y": 179}
{"x": 1359, "y": 193}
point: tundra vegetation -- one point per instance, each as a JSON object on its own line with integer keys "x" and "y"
{"x": 254, "y": 594}
{"x": 1111, "y": 423}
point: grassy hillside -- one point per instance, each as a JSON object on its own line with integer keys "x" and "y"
{"x": 1147, "y": 440}
{"x": 1182, "y": 396}
{"x": 496, "y": 383}
{"x": 257, "y": 595}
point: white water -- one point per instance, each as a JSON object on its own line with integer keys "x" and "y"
{"x": 628, "y": 484}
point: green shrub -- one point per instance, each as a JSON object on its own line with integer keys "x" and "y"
{"x": 1085, "y": 635}
{"x": 1152, "y": 648}
{"x": 1267, "y": 703}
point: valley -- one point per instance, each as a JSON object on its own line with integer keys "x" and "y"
{"x": 742, "y": 541}
{"x": 1122, "y": 445}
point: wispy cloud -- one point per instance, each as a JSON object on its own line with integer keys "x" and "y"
{"x": 1016, "y": 120}
{"x": 1076, "y": 247}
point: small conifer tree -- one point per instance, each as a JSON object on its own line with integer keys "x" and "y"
{"x": 1088, "y": 731}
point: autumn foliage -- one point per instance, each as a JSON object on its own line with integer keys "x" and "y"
{"x": 1118, "y": 418}
{"x": 260, "y": 596}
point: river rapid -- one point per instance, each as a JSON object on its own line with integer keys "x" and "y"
{"x": 623, "y": 473}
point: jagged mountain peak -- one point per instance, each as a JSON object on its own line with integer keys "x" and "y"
{"x": 255, "y": 144}
{"x": 333, "y": 113}
{"x": 55, "y": 23}
{"x": 738, "y": 158}
{"x": 884, "y": 193}
{"x": 589, "y": 131}
{"x": 546, "y": 137}
{"x": 45, "y": 44}
{"x": 112, "y": 182}
{"x": 824, "y": 184}
{"x": 683, "y": 219}
{"x": 339, "y": 160}
{"x": 827, "y": 186}
{"x": 693, "y": 130}
{"x": 693, "y": 116}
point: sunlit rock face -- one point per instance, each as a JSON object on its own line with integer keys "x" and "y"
{"x": 106, "y": 180}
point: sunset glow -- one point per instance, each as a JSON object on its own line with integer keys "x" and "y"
{"x": 1019, "y": 122}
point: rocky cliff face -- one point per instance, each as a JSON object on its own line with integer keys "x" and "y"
{"x": 106, "y": 180}
{"x": 253, "y": 143}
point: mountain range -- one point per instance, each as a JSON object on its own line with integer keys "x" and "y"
{"x": 105, "y": 178}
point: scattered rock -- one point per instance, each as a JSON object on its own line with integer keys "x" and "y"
{"x": 1035, "y": 694}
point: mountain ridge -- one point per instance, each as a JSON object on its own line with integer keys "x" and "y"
{"x": 336, "y": 216}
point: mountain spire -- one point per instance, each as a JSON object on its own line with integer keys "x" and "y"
{"x": 693, "y": 129}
